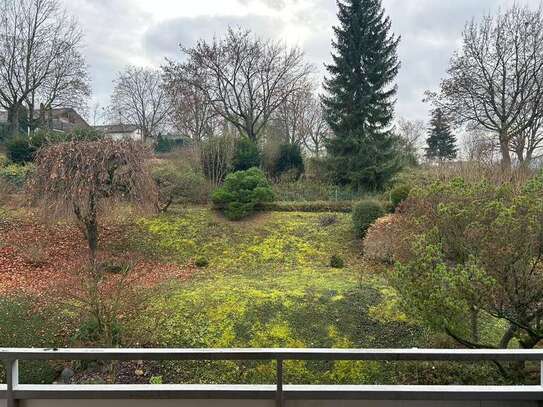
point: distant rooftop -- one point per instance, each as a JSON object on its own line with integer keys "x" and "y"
{"x": 117, "y": 128}
{"x": 62, "y": 119}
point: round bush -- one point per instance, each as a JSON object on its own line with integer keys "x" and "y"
{"x": 383, "y": 242}
{"x": 365, "y": 213}
{"x": 201, "y": 262}
{"x": 242, "y": 192}
{"x": 399, "y": 194}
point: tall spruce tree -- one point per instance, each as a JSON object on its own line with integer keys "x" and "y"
{"x": 441, "y": 142}
{"x": 359, "y": 99}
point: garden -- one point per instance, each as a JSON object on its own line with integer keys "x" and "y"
{"x": 245, "y": 266}
{"x": 248, "y": 210}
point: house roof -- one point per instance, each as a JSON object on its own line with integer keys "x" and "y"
{"x": 117, "y": 128}
{"x": 64, "y": 119}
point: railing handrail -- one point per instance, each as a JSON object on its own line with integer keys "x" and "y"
{"x": 14, "y": 391}
{"x": 330, "y": 354}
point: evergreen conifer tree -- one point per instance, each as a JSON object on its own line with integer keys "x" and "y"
{"x": 441, "y": 142}
{"x": 359, "y": 100}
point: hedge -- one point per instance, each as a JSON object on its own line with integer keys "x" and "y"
{"x": 313, "y": 206}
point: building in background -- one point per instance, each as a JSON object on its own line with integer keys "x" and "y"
{"x": 121, "y": 131}
{"x": 63, "y": 120}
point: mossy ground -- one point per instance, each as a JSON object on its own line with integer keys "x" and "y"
{"x": 269, "y": 284}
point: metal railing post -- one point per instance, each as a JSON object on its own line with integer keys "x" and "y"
{"x": 279, "y": 399}
{"x": 541, "y": 373}
{"x": 12, "y": 379}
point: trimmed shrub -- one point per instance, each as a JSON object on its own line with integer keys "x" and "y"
{"x": 242, "y": 192}
{"x": 19, "y": 150}
{"x": 398, "y": 195}
{"x": 314, "y": 206}
{"x": 246, "y": 155}
{"x": 365, "y": 213}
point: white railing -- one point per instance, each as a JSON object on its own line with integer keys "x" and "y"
{"x": 13, "y": 391}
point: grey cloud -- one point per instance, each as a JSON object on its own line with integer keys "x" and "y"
{"x": 430, "y": 32}
{"x": 111, "y": 30}
{"x": 118, "y": 31}
{"x": 274, "y": 4}
{"x": 163, "y": 40}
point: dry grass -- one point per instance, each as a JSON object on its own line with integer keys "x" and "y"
{"x": 472, "y": 172}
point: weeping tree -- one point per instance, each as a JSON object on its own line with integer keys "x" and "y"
{"x": 83, "y": 179}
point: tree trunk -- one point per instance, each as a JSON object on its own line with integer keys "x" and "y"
{"x": 506, "y": 155}
{"x": 520, "y": 156}
{"x": 92, "y": 239}
{"x": 91, "y": 225}
{"x": 508, "y": 336}
{"x": 13, "y": 119}
{"x": 528, "y": 158}
{"x": 144, "y": 135}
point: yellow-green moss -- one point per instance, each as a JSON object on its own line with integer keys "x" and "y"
{"x": 268, "y": 284}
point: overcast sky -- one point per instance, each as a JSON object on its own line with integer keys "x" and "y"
{"x": 144, "y": 32}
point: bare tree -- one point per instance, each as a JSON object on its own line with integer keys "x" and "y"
{"x": 245, "y": 78}
{"x": 496, "y": 81}
{"x": 192, "y": 113}
{"x": 34, "y": 36}
{"x": 300, "y": 120}
{"x": 67, "y": 86}
{"x": 411, "y": 133}
{"x": 140, "y": 99}
{"x": 83, "y": 179}
{"x": 480, "y": 147}
{"x": 97, "y": 113}
{"x": 316, "y": 127}
{"x": 527, "y": 144}
{"x": 290, "y": 118}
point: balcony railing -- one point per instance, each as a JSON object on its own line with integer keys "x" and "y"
{"x": 13, "y": 391}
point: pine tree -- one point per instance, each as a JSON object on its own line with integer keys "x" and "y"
{"x": 359, "y": 100}
{"x": 441, "y": 142}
